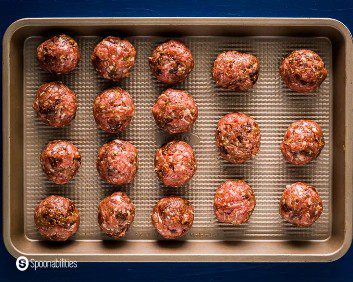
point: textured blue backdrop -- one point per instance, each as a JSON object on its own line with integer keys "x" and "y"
{"x": 341, "y": 270}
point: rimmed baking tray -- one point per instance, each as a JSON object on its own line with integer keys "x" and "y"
{"x": 266, "y": 237}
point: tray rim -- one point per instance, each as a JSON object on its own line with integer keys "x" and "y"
{"x": 180, "y": 21}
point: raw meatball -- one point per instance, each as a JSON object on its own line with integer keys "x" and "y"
{"x": 303, "y": 71}
{"x": 172, "y": 217}
{"x": 300, "y": 205}
{"x": 59, "y": 54}
{"x": 113, "y": 58}
{"x": 171, "y": 62}
{"x": 302, "y": 142}
{"x": 175, "y": 163}
{"x": 175, "y": 111}
{"x": 56, "y": 218}
{"x": 55, "y": 104}
{"x": 236, "y": 71}
{"x": 115, "y": 215}
{"x": 117, "y": 162}
{"x": 60, "y": 161}
{"x": 234, "y": 202}
{"x": 113, "y": 110}
{"x": 238, "y": 137}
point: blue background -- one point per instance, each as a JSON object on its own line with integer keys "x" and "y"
{"x": 341, "y": 270}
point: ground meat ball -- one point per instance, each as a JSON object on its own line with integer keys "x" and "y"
{"x": 59, "y": 54}
{"x": 55, "y": 104}
{"x": 117, "y": 162}
{"x": 175, "y": 111}
{"x": 115, "y": 214}
{"x": 300, "y": 205}
{"x": 238, "y": 137}
{"x": 175, "y": 163}
{"x": 236, "y": 71}
{"x": 60, "y": 161}
{"x": 113, "y": 110}
{"x": 172, "y": 217}
{"x": 234, "y": 202}
{"x": 56, "y": 218}
{"x": 171, "y": 62}
{"x": 113, "y": 58}
{"x": 302, "y": 142}
{"x": 303, "y": 71}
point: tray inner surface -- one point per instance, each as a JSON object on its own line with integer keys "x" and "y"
{"x": 269, "y": 102}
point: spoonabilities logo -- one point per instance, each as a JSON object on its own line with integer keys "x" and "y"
{"x": 22, "y": 263}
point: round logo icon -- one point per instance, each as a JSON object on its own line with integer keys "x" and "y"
{"x": 22, "y": 263}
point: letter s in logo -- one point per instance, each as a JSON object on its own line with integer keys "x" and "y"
{"x": 22, "y": 263}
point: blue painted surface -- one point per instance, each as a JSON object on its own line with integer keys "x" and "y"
{"x": 341, "y": 270}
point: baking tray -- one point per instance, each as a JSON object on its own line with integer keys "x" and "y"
{"x": 269, "y": 102}
{"x": 266, "y": 237}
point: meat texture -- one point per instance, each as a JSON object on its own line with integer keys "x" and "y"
{"x": 117, "y": 162}
{"x": 175, "y": 111}
{"x": 115, "y": 215}
{"x": 236, "y": 71}
{"x": 113, "y": 110}
{"x": 113, "y": 58}
{"x": 59, "y": 54}
{"x": 302, "y": 142}
{"x": 175, "y": 163}
{"x": 303, "y": 71}
{"x": 300, "y": 204}
{"x": 238, "y": 137}
{"x": 56, "y": 218}
{"x": 234, "y": 202}
{"x": 60, "y": 161}
{"x": 55, "y": 104}
{"x": 172, "y": 217}
{"x": 171, "y": 62}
